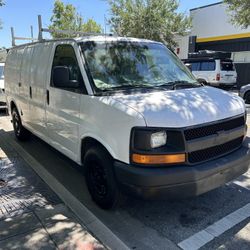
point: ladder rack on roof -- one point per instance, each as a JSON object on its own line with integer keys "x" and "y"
{"x": 41, "y": 30}
{"x": 14, "y": 38}
{"x": 68, "y": 32}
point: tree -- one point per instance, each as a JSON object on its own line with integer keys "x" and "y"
{"x": 91, "y": 26}
{"x": 65, "y": 17}
{"x": 240, "y": 11}
{"x": 151, "y": 19}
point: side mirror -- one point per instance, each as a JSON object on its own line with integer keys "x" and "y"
{"x": 60, "y": 78}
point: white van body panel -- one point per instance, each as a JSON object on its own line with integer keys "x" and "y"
{"x": 71, "y": 117}
{"x": 109, "y": 121}
{"x": 40, "y": 75}
{"x": 185, "y": 107}
{"x": 2, "y": 94}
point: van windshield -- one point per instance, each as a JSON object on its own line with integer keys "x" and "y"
{"x": 118, "y": 65}
{"x": 227, "y": 66}
{"x": 1, "y": 72}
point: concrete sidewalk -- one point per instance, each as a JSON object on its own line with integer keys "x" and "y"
{"x": 31, "y": 215}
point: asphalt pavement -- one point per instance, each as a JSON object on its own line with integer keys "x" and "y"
{"x": 219, "y": 219}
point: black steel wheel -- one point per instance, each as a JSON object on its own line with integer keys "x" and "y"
{"x": 100, "y": 179}
{"x": 20, "y": 132}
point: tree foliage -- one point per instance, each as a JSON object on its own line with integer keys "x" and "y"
{"x": 240, "y": 12}
{"x": 65, "y": 17}
{"x": 151, "y": 19}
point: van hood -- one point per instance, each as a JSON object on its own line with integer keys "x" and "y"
{"x": 183, "y": 107}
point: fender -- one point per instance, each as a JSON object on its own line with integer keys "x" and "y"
{"x": 101, "y": 141}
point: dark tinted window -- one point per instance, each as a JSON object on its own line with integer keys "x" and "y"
{"x": 227, "y": 66}
{"x": 65, "y": 56}
{"x": 207, "y": 66}
{"x": 195, "y": 66}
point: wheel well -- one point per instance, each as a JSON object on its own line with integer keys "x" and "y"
{"x": 201, "y": 80}
{"x": 247, "y": 92}
{"x": 87, "y": 143}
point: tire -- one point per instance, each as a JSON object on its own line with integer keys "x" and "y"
{"x": 247, "y": 97}
{"x": 203, "y": 82}
{"x": 100, "y": 178}
{"x": 21, "y": 133}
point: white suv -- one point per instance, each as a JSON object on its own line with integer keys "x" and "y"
{"x": 130, "y": 113}
{"x": 213, "y": 71}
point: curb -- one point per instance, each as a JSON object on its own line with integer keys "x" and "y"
{"x": 86, "y": 217}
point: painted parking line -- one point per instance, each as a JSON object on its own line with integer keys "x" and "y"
{"x": 201, "y": 238}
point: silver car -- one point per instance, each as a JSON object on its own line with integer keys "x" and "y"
{"x": 245, "y": 93}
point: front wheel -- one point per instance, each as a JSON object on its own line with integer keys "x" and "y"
{"x": 100, "y": 178}
{"x": 21, "y": 133}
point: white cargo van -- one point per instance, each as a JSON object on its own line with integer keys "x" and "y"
{"x": 213, "y": 68}
{"x": 2, "y": 94}
{"x": 130, "y": 113}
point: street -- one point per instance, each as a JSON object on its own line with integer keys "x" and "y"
{"x": 219, "y": 219}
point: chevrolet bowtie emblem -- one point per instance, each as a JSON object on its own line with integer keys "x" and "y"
{"x": 221, "y": 136}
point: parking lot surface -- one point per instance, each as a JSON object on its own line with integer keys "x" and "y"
{"x": 219, "y": 219}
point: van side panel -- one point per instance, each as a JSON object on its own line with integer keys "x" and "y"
{"x": 24, "y": 94}
{"x": 39, "y": 76}
{"x": 12, "y": 74}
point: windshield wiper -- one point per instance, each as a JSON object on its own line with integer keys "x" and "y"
{"x": 183, "y": 84}
{"x": 127, "y": 86}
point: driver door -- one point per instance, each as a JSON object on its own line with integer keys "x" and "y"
{"x": 63, "y": 102}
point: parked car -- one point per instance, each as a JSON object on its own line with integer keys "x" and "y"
{"x": 130, "y": 113}
{"x": 245, "y": 93}
{"x": 213, "y": 68}
{"x": 2, "y": 94}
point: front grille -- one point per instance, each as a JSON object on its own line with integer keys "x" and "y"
{"x": 213, "y": 152}
{"x": 199, "y": 132}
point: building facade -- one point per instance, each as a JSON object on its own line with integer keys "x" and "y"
{"x": 213, "y": 30}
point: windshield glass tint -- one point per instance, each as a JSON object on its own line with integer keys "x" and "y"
{"x": 125, "y": 64}
{"x": 227, "y": 66}
{"x": 1, "y": 72}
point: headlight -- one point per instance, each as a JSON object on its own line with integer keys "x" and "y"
{"x": 156, "y": 146}
{"x": 158, "y": 139}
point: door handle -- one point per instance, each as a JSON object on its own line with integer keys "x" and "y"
{"x": 30, "y": 92}
{"x": 47, "y": 94}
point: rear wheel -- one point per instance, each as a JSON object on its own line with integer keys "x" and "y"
{"x": 99, "y": 174}
{"x": 247, "y": 97}
{"x": 21, "y": 133}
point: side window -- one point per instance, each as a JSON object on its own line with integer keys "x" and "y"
{"x": 207, "y": 66}
{"x": 65, "y": 57}
{"x": 195, "y": 66}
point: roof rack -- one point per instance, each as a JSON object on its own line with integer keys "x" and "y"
{"x": 14, "y": 38}
{"x": 68, "y": 32}
{"x": 41, "y": 30}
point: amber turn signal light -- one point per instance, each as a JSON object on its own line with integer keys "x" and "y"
{"x": 158, "y": 159}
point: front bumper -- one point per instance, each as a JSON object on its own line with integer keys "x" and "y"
{"x": 182, "y": 180}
